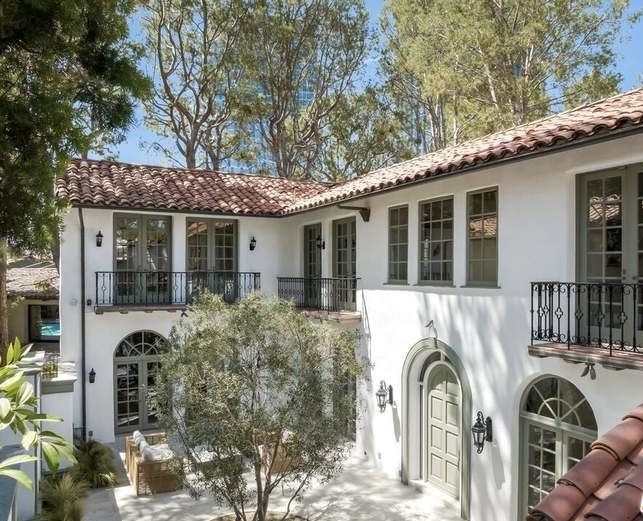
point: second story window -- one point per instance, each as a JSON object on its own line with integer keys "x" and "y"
{"x": 398, "y": 243}
{"x": 436, "y": 241}
{"x": 211, "y": 245}
{"x": 482, "y": 238}
{"x": 142, "y": 242}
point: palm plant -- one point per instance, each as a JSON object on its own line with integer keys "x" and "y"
{"x": 62, "y": 498}
{"x": 95, "y": 464}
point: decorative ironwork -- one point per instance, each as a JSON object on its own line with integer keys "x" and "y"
{"x": 608, "y": 316}
{"x": 323, "y": 294}
{"x": 149, "y": 288}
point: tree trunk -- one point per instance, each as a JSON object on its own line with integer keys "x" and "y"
{"x": 4, "y": 309}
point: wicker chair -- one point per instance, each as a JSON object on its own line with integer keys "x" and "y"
{"x": 149, "y": 477}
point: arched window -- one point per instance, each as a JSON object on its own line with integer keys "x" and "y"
{"x": 136, "y": 365}
{"x": 557, "y": 427}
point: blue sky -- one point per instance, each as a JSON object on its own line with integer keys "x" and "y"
{"x": 137, "y": 149}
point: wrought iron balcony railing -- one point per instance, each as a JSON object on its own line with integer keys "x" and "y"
{"x": 607, "y": 316}
{"x": 317, "y": 293}
{"x": 155, "y": 288}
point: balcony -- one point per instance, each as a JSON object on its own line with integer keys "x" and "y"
{"x": 588, "y": 323}
{"x": 147, "y": 290}
{"x": 331, "y": 298}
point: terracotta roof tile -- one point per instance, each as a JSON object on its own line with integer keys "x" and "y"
{"x": 121, "y": 185}
{"x": 110, "y": 184}
{"x": 607, "y": 484}
{"x": 600, "y": 117}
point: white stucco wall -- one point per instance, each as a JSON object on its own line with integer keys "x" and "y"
{"x": 489, "y": 329}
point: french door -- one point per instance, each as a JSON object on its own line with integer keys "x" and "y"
{"x": 136, "y": 367}
{"x": 142, "y": 259}
{"x": 344, "y": 261}
{"x": 312, "y": 266}
{"x": 212, "y": 257}
{"x": 611, "y": 256}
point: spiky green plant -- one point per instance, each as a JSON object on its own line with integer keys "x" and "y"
{"x": 62, "y": 498}
{"x": 95, "y": 464}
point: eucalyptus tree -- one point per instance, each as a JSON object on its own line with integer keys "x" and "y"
{"x": 198, "y": 56}
{"x": 63, "y": 63}
{"x": 257, "y": 397}
{"x": 476, "y": 67}
{"x": 304, "y": 58}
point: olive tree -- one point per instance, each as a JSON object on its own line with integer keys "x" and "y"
{"x": 258, "y": 398}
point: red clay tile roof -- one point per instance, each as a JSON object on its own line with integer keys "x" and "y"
{"x": 121, "y": 185}
{"x": 108, "y": 184}
{"x": 600, "y": 117}
{"x": 607, "y": 484}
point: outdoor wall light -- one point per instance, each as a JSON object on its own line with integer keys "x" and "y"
{"x": 482, "y": 431}
{"x": 384, "y": 395}
{"x": 92, "y": 376}
{"x": 321, "y": 243}
{"x": 99, "y": 239}
{"x": 589, "y": 368}
{"x": 253, "y": 243}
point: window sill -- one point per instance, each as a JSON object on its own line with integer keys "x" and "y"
{"x": 435, "y": 285}
{"x": 479, "y": 286}
{"x": 393, "y": 283}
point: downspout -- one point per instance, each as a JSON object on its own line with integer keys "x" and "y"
{"x": 82, "y": 324}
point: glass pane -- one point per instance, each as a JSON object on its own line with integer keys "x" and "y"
{"x": 475, "y": 204}
{"x": 489, "y": 203}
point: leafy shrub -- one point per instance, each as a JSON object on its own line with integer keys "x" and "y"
{"x": 62, "y": 498}
{"x": 95, "y": 464}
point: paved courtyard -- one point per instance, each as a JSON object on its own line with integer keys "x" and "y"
{"x": 359, "y": 493}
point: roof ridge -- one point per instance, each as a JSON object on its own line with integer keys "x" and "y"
{"x": 204, "y": 171}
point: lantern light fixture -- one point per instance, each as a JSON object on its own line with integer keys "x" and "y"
{"x": 92, "y": 376}
{"x": 99, "y": 239}
{"x": 321, "y": 243}
{"x": 482, "y": 431}
{"x": 384, "y": 395}
{"x": 253, "y": 243}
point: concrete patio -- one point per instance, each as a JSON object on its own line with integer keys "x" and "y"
{"x": 359, "y": 493}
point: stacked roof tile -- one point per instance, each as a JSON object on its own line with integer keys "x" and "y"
{"x": 607, "y": 484}
{"x": 108, "y": 184}
{"x": 121, "y": 185}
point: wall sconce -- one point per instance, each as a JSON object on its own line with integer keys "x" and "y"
{"x": 589, "y": 368}
{"x": 321, "y": 243}
{"x": 482, "y": 431}
{"x": 253, "y": 243}
{"x": 99, "y": 239}
{"x": 384, "y": 395}
{"x": 92, "y": 376}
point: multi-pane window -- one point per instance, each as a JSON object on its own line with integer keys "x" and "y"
{"x": 398, "y": 243}
{"x": 482, "y": 235}
{"x": 436, "y": 240}
{"x": 211, "y": 245}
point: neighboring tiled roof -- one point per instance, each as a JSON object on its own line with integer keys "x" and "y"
{"x": 121, "y": 185}
{"x": 600, "y": 117}
{"x": 33, "y": 278}
{"x": 607, "y": 484}
{"x": 118, "y": 185}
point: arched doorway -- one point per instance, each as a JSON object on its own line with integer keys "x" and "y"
{"x": 557, "y": 426}
{"x": 136, "y": 364}
{"x": 436, "y": 417}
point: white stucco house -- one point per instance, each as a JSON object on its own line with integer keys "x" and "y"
{"x": 502, "y": 275}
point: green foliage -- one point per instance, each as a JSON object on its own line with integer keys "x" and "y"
{"x": 95, "y": 464}
{"x": 464, "y": 69}
{"x": 18, "y": 412}
{"x": 257, "y": 85}
{"x": 62, "y": 498}
{"x": 61, "y": 61}
{"x": 256, "y": 382}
